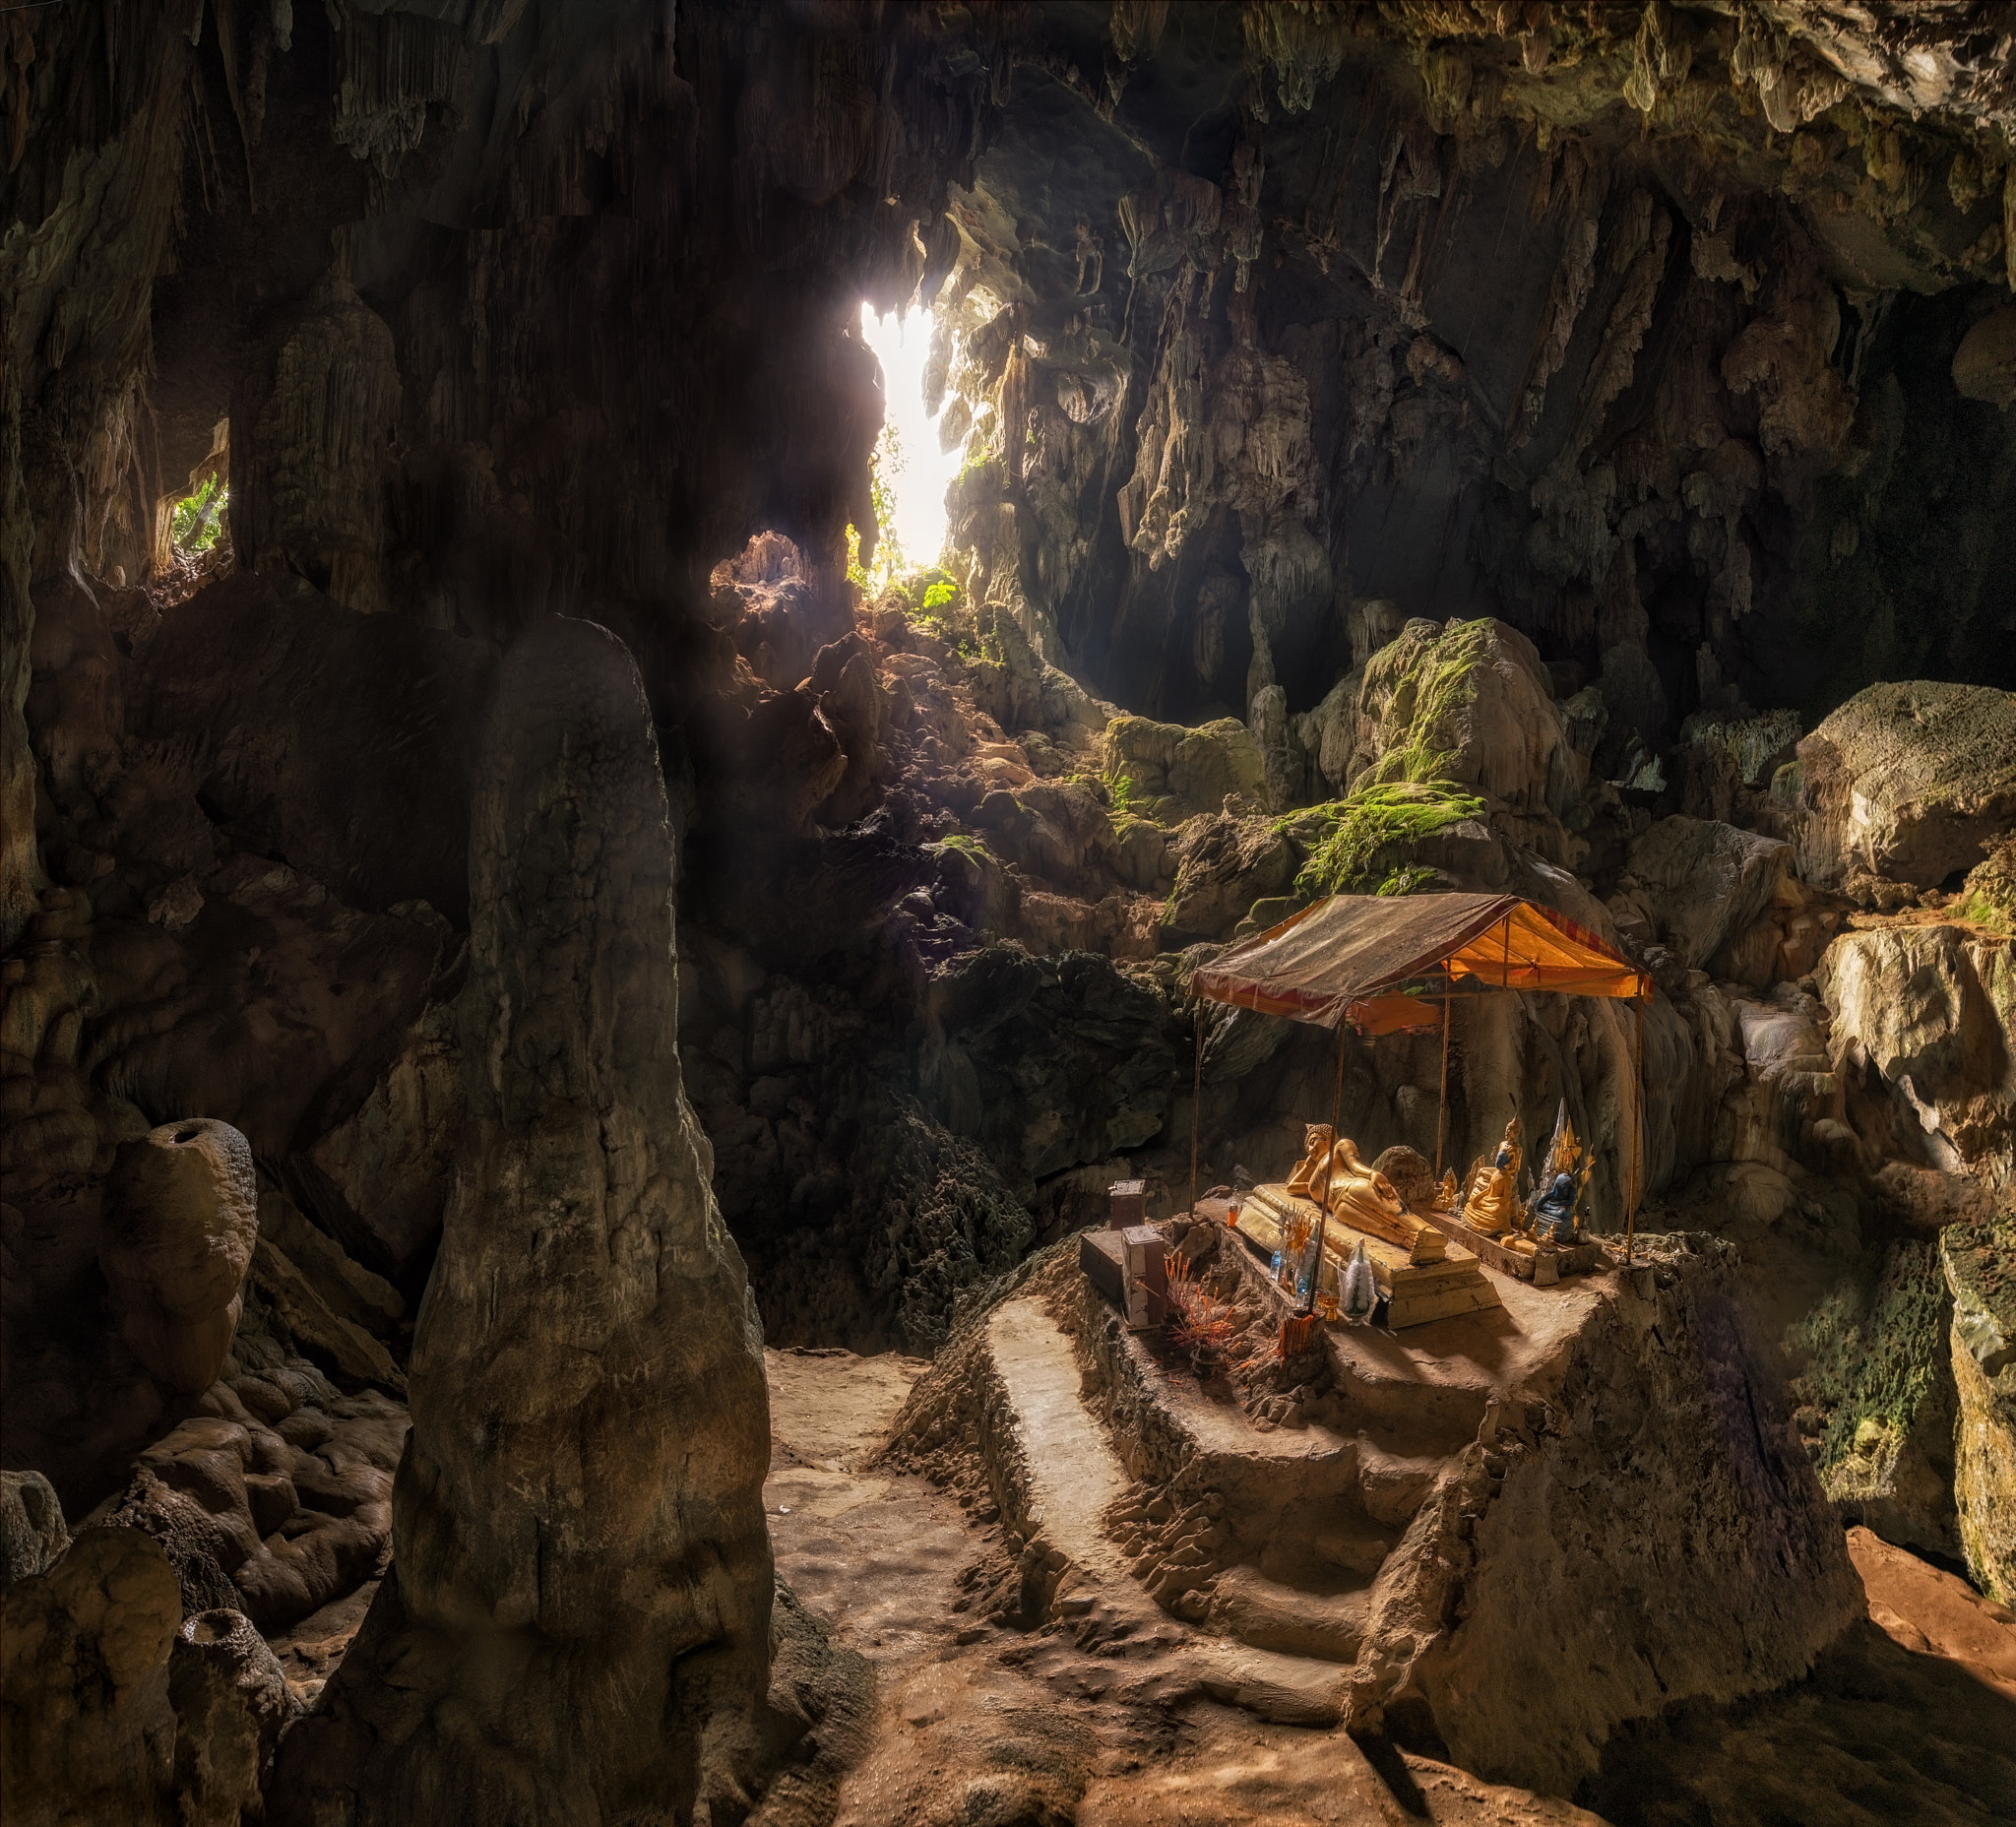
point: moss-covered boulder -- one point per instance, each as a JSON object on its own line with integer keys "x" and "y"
{"x": 1168, "y": 771}
{"x": 1907, "y": 782}
{"x": 1989, "y": 897}
{"x": 1471, "y": 702}
{"x": 1980, "y": 1262}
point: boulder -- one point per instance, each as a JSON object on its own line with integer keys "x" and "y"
{"x": 1931, "y": 1012}
{"x": 581, "y": 1498}
{"x": 90, "y": 1729}
{"x": 1985, "y": 363}
{"x": 1792, "y": 1078}
{"x": 1472, "y": 703}
{"x": 230, "y": 1701}
{"x": 181, "y": 1217}
{"x": 1170, "y": 772}
{"x": 1908, "y": 782}
{"x": 32, "y": 1530}
{"x": 1049, "y": 1063}
{"x": 1225, "y": 865}
{"x": 1980, "y": 1262}
{"x": 1706, "y": 883}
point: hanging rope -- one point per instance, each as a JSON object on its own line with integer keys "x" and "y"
{"x": 1196, "y": 1106}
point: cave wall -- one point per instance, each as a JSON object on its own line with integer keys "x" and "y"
{"x": 1634, "y": 328}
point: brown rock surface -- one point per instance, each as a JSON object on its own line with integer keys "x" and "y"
{"x": 604, "y": 1520}
{"x": 89, "y": 1731}
{"x": 181, "y": 1219}
{"x": 1981, "y": 1273}
{"x": 1908, "y": 782}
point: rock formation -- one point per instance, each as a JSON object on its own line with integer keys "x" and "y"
{"x": 1978, "y": 1274}
{"x": 580, "y": 1493}
{"x": 180, "y": 1223}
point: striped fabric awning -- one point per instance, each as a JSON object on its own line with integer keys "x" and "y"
{"x": 1385, "y": 962}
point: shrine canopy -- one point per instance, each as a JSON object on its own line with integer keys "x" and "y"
{"x": 1387, "y": 962}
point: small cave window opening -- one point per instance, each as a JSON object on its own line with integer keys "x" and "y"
{"x": 909, "y": 471}
{"x": 199, "y": 518}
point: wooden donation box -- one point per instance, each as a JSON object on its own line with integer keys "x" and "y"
{"x": 1420, "y": 1274}
{"x": 1130, "y": 1268}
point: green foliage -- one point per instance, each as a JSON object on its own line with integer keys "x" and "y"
{"x": 1347, "y": 860}
{"x": 1442, "y": 686}
{"x": 1870, "y": 1351}
{"x": 1120, "y": 790}
{"x": 199, "y": 518}
{"x": 940, "y": 596}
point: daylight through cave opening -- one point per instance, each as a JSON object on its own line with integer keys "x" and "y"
{"x": 910, "y": 466}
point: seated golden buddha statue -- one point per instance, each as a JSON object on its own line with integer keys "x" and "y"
{"x": 1492, "y": 1204}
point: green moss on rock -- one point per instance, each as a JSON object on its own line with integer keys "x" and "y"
{"x": 1875, "y": 1389}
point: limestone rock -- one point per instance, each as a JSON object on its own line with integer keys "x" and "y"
{"x": 1985, "y": 363}
{"x": 1225, "y": 864}
{"x": 1706, "y": 883}
{"x": 582, "y": 1492}
{"x": 1048, "y": 1062}
{"x": 380, "y": 1178}
{"x": 1172, "y": 772}
{"x": 1980, "y": 1273}
{"x": 32, "y": 1530}
{"x": 365, "y": 789}
{"x": 1471, "y": 702}
{"x": 1875, "y": 1388}
{"x": 1908, "y": 782}
{"x": 180, "y": 1221}
{"x": 1929, "y": 1011}
{"x": 1755, "y": 742}
{"x": 1732, "y": 1526}
{"x": 230, "y": 1701}
{"x": 90, "y": 1733}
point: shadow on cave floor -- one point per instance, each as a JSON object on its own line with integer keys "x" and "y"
{"x": 1876, "y": 1733}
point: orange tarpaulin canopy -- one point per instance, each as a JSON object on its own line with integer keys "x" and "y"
{"x": 1384, "y": 962}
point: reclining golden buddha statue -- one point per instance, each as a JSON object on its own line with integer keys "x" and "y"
{"x": 1331, "y": 1173}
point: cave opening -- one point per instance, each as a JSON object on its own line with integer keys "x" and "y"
{"x": 912, "y": 465}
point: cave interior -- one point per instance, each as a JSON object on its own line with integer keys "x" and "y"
{"x": 642, "y": 647}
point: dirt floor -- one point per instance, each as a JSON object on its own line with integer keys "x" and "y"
{"x": 1911, "y": 1717}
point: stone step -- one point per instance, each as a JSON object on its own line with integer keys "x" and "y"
{"x": 1055, "y": 1476}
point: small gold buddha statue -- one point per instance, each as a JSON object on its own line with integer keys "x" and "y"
{"x": 1492, "y": 1204}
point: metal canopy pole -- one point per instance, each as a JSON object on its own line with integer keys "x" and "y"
{"x": 1637, "y": 1132}
{"x": 1329, "y": 1174}
{"x": 1442, "y": 1109}
{"x": 1196, "y": 1106}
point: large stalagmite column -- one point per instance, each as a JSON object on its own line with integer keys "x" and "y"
{"x": 577, "y": 1624}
